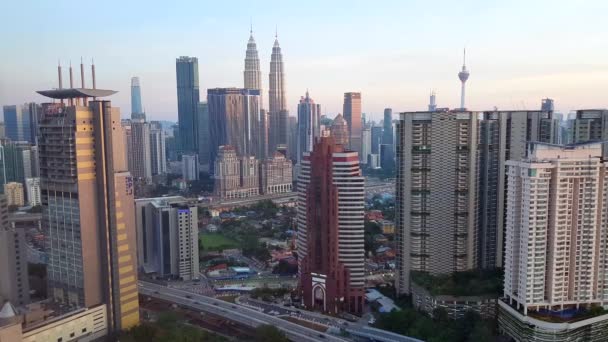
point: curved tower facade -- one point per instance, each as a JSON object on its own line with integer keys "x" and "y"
{"x": 277, "y": 107}
{"x": 251, "y": 74}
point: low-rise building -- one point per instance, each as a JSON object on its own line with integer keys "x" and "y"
{"x": 14, "y": 194}
{"x": 455, "y": 306}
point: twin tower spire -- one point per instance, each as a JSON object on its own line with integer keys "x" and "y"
{"x": 277, "y": 106}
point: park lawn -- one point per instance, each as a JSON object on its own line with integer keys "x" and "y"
{"x": 216, "y": 242}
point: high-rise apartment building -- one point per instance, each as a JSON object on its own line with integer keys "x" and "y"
{"x": 140, "y": 157}
{"x": 87, "y": 196}
{"x": 503, "y": 135}
{"x": 190, "y": 170}
{"x": 276, "y": 174}
{"x": 14, "y": 283}
{"x": 277, "y": 106}
{"x": 435, "y": 193}
{"x": 339, "y": 131}
{"x": 33, "y": 191}
{"x": 352, "y": 115}
{"x": 137, "y": 111}
{"x": 14, "y": 194}
{"x": 188, "y": 98}
{"x": 158, "y": 157}
{"x": 235, "y": 119}
{"x": 591, "y": 125}
{"x": 168, "y": 237}
{"x": 555, "y": 255}
{"x": 331, "y": 200}
{"x": 308, "y": 125}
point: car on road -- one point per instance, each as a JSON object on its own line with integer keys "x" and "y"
{"x": 188, "y": 296}
{"x": 215, "y": 304}
{"x": 321, "y": 336}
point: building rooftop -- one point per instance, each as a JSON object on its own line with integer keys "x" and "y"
{"x": 70, "y": 93}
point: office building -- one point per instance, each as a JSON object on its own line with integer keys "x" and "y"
{"x": 171, "y": 144}
{"x": 432, "y": 102}
{"x": 87, "y": 198}
{"x": 252, "y": 76}
{"x": 308, "y": 125}
{"x": 376, "y": 139}
{"x": 352, "y": 115}
{"x": 168, "y": 237}
{"x": 14, "y": 194}
{"x": 277, "y": 106}
{"x": 14, "y": 283}
{"x": 187, "y": 103}
{"x": 235, "y": 119}
{"x": 331, "y": 200}
{"x": 435, "y": 193}
{"x": 339, "y": 131}
{"x": 292, "y": 146}
{"x": 21, "y": 122}
{"x": 547, "y": 105}
{"x": 366, "y": 143}
{"x": 140, "y": 157}
{"x": 33, "y": 191}
{"x": 503, "y": 135}
{"x": 388, "y": 131}
{"x": 203, "y": 134}
{"x": 190, "y": 171}
{"x": 235, "y": 176}
{"x": 555, "y": 244}
{"x": 18, "y": 161}
{"x": 158, "y": 158}
{"x": 137, "y": 111}
{"x": 276, "y": 174}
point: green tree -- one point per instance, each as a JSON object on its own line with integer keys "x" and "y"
{"x": 482, "y": 332}
{"x": 269, "y": 333}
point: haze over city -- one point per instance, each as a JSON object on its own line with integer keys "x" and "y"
{"x": 517, "y": 52}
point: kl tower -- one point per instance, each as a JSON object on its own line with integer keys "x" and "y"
{"x": 463, "y": 75}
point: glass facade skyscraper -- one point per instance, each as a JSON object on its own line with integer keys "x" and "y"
{"x": 188, "y": 98}
{"x": 137, "y": 111}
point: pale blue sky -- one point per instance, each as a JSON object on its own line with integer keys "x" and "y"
{"x": 394, "y": 52}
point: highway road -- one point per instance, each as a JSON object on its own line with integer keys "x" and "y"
{"x": 234, "y": 312}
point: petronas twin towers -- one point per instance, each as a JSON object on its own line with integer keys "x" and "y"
{"x": 276, "y": 119}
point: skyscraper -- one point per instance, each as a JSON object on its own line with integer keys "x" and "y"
{"x": 141, "y": 160}
{"x": 331, "y": 198}
{"x": 158, "y": 158}
{"x": 376, "y": 139}
{"x": 352, "y": 115}
{"x": 252, "y": 74}
{"x": 276, "y": 174}
{"x": 555, "y": 255}
{"x": 503, "y": 135}
{"x": 339, "y": 131}
{"x": 277, "y": 106}
{"x": 187, "y": 103}
{"x": 203, "y": 134}
{"x": 190, "y": 165}
{"x": 591, "y": 125}
{"x": 252, "y": 77}
{"x": 235, "y": 119}
{"x": 435, "y": 193}
{"x": 547, "y": 105}
{"x": 308, "y": 125}
{"x": 21, "y": 122}
{"x": 89, "y": 209}
{"x": 387, "y": 137}
{"x": 432, "y": 102}
{"x": 137, "y": 111}
{"x": 366, "y": 143}
{"x": 235, "y": 176}
{"x": 463, "y": 75}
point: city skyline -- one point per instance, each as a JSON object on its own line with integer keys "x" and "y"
{"x": 510, "y": 69}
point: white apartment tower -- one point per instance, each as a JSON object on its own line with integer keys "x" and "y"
{"x": 556, "y": 255}
{"x": 33, "y": 191}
